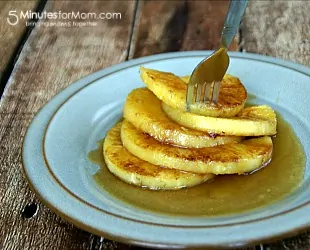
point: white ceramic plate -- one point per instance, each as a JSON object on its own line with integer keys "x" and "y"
{"x": 64, "y": 131}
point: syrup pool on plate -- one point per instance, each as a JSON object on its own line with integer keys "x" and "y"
{"x": 226, "y": 194}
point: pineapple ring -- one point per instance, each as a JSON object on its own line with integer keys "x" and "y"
{"x": 135, "y": 171}
{"x": 251, "y": 121}
{"x": 243, "y": 157}
{"x": 143, "y": 110}
{"x": 171, "y": 89}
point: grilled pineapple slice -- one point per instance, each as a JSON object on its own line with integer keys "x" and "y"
{"x": 135, "y": 171}
{"x": 243, "y": 157}
{"x": 143, "y": 110}
{"x": 171, "y": 89}
{"x": 251, "y": 121}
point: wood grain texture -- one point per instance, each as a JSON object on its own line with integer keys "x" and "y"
{"x": 300, "y": 242}
{"x": 203, "y": 31}
{"x": 11, "y": 34}
{"x": 278, "y": 28}
{"x": 178, "y": 25}
{"x": 52, "y": 58}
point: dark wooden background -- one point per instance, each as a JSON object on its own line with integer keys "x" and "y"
{"x": 37, "y": 62}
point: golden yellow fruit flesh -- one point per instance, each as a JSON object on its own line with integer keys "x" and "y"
{"x": 251, "y": 121}
{"x": 243, "y": 157}
{"x": 135, "y": 171}
{"x": 143, "y": 110}
{"x": 171, "y": 89}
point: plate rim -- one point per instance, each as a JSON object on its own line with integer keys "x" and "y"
{"x": 113, "y": 69}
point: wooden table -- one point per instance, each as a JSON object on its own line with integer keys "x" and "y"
{"x": 38, "y": 61}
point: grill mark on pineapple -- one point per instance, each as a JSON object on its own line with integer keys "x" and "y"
{"x": 171, "y": 81}
{"x": 133, "y": 170}
{"x": 133, "y": 165}
{"x": 221, "y": 153}
{"x": 232, "y": 92}
{"x": 162, "y": 127}
{"x": 136, "y": 168}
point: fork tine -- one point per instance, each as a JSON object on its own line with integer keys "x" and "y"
{"x": 207, "y": 92}
{"x": 216, "y": 91}
{"x": 198, "y": 93}
{"x": 190, "y": 95}
{"x": 203, "y": 91}
{"x": 195, "y": 93}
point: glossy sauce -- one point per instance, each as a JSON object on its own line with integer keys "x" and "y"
{"x": 228, "y": 194}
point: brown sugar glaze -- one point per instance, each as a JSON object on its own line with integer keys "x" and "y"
{"x": 227, "y": 194}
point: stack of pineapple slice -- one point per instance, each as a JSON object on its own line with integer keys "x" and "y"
{"x": 159, "y": 145}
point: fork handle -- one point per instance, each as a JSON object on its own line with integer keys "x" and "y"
{"x": 232, "y": 22}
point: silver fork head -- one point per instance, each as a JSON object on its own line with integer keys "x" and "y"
{"x": 205, "y": 81}
{"x": 206, "y": 92}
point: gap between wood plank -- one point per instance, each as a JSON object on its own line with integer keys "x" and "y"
{"x": 133, "y": 33}
{"x": 10, "y": 66}
{"x": 240, "y": 40}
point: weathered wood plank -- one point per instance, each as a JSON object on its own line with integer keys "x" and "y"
{"x": 179, "y": 25}
{"x": 300, "y": 242}
{"x": 52, "y": 58}
{"x": 278, "y": 28}
{"x": 11, "y": 34}
{"x": 203, "y": 31}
